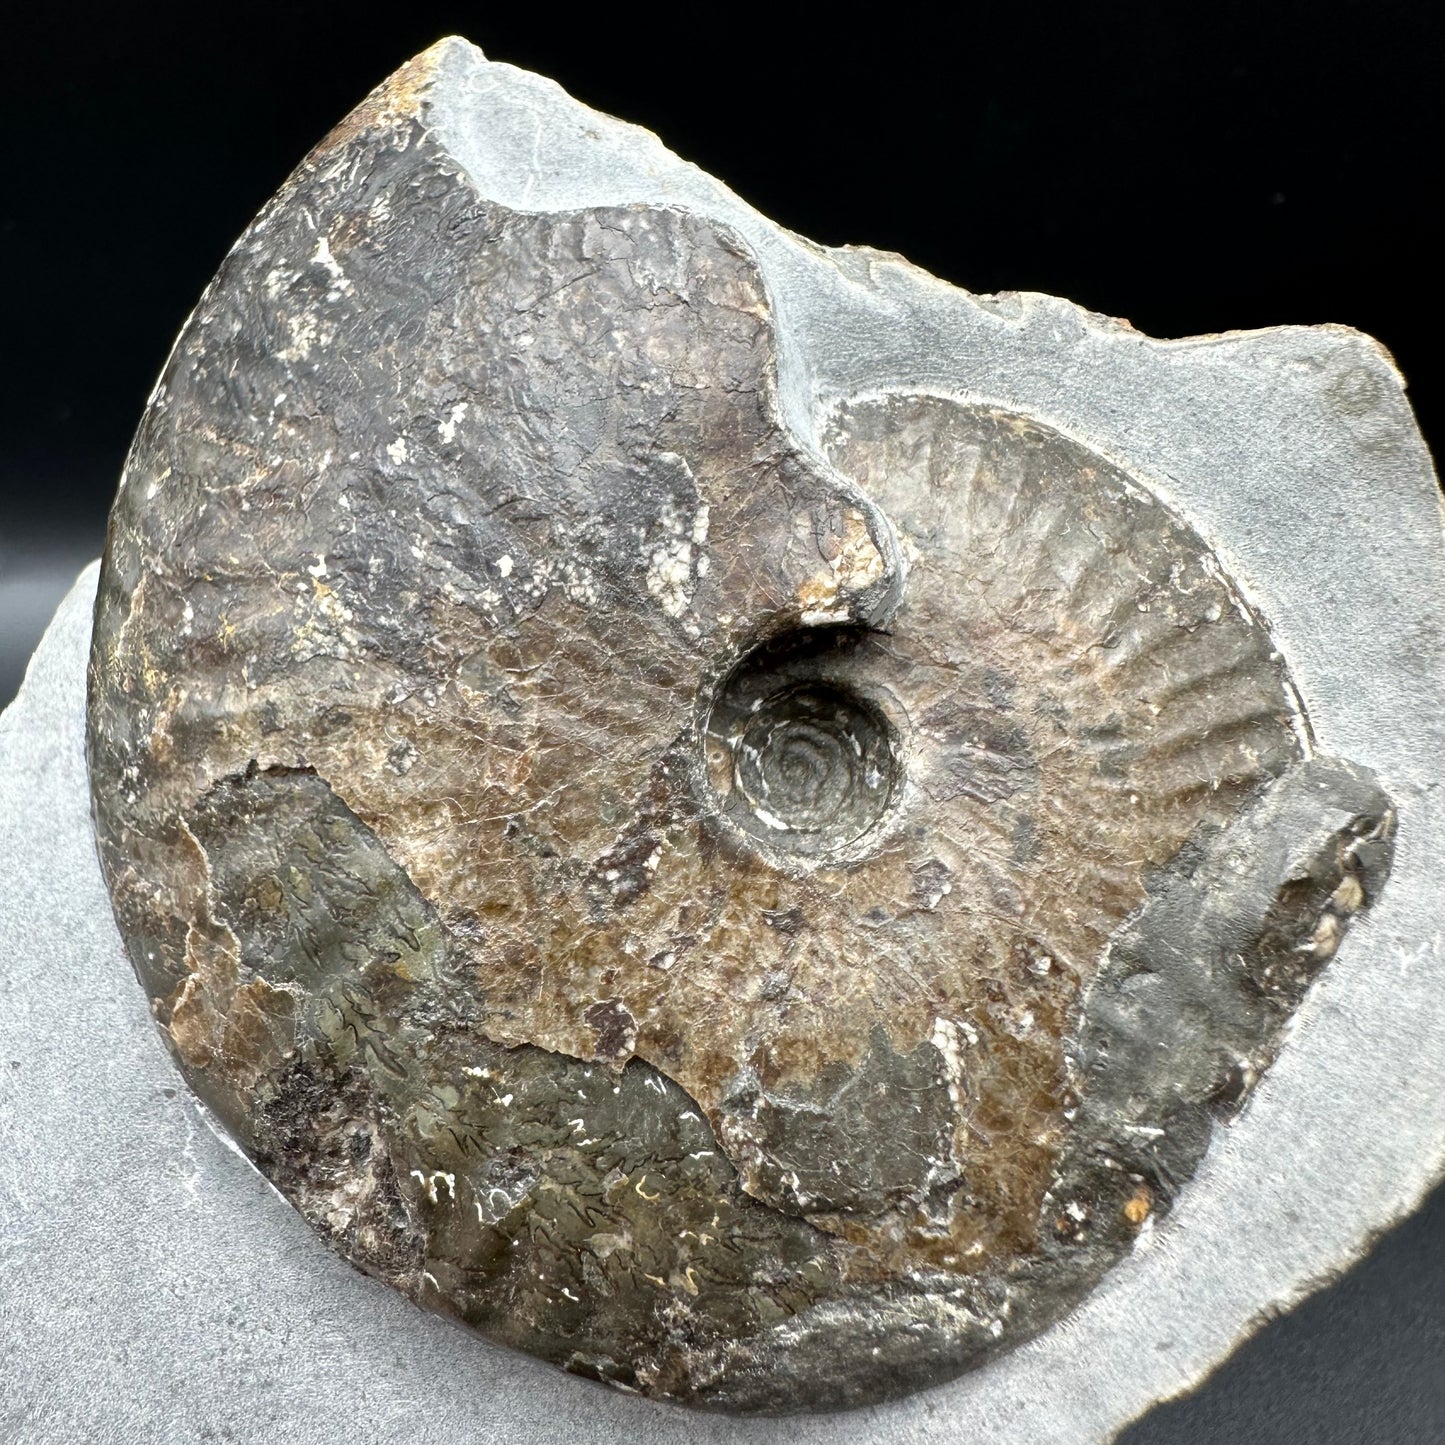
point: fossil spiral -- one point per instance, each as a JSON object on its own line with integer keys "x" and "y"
{"x": 764, "y": 920}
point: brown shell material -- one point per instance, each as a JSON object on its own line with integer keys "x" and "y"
{"x": 676, "y": 900}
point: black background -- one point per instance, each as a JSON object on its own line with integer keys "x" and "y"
{"x": 1193, "y": 168}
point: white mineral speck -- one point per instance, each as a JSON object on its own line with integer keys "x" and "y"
{"x": 669, "y": 575}
{"x": 447, "y": 430}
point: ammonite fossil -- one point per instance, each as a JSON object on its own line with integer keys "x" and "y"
{"x": 759, "y": 905}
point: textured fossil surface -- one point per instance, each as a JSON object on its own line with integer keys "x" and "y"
{"x": 766, "y": 920}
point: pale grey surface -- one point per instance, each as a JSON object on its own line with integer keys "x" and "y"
{"x": 153, "y": 1288}
{"x": 34, "y": 575}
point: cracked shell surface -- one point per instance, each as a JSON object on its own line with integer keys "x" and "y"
{"x": 698, "y": 904}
